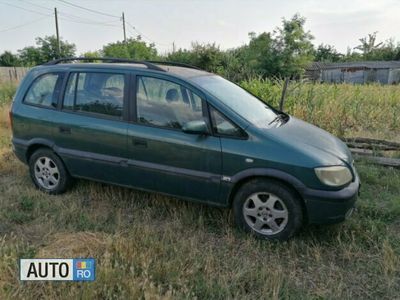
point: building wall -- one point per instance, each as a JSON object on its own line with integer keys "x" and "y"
{"x": 394, "y": 76}
{"x": 382, "y": 76}
{"x": 361, "y": 76}
{"x": 331, "y": 75}
{"x": 354, "y": 76}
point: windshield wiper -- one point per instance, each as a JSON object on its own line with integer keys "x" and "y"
{"x": 279, "y": 117}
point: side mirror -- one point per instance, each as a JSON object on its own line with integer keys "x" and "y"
{"x": 195, "y": 127}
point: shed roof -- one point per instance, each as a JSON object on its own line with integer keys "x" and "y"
{"x": 355, "y": 64}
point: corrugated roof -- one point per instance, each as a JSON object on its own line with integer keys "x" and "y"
{"x": 355, "y": 64}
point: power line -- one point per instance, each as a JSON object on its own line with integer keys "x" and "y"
{"x": 88, "y": 23}
{"x": 65, "y": 16}
{"x": 26, "y": 9}
{"x": 75, "y": 18}
{"x": 37, "y": 5}
{"x": 25, "y": 24}
{"x": 146, "y": 37}
{"x": 89, "y": 9}
{"x": 109, "y": 15}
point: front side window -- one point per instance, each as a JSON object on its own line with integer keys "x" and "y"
{"x": 166, "y": 104}
{"x": 44, "y": 90}
{"x": 223, "y": 126}
{"x": 101, "y": 93}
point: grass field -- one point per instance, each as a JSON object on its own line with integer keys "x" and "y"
{"x": 150, "y": 246}
{"x": 345, "y": 110}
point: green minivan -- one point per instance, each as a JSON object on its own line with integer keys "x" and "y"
{"x": 181, "y": 131}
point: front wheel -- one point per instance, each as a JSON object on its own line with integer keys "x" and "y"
{"x": 268, "y": 208}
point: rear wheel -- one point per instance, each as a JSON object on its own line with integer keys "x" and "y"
{"x": 269, "y": 209}
{"x": 48, "y": 172}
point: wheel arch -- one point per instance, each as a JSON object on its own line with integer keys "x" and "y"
{"x": 36, "y": 144}
{"x": 289, "y": 181}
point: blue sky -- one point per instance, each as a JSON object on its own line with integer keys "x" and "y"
{"x": 225, "y": 22}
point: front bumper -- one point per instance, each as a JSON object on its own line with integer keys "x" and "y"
{"x": 327, "y": 207}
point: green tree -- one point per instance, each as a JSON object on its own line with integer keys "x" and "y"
{"x": 8, "y": 59}
{"x": 233, "y": 66}
{"x": 370, "y": 49}
{"x": 259, "y": 57}
{"x": 284, "y": 53}
{"x": 46, "y": 49}
{"x": 49, "y": 48}
{"x": 293, "y": 46}
{"x": 133, "y": 49}
{"x": 368, "y": 45}
{"x": 30, "y": 56}
{"x": 205, "y": 56}
{"x": 327, "y": 53}
{"x": 182, "y": 56}
{"x": 91, "y": 54}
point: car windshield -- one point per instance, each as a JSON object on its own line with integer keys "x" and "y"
{"x": 238, "y": 99}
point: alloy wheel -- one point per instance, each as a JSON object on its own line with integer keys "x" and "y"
{"x": 47, "y": 173}
{"x": 265, "y": 213}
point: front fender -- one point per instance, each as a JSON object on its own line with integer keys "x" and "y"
{"x": 230, "y": 185}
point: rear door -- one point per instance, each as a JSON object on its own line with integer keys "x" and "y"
{"x": 161, "y": 156}
{"x": 90, "y": 131}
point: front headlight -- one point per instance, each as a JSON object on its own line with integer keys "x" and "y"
{"x": 334, "y": 175}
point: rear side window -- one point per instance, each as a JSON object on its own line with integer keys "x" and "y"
{"x": 45, "y": 90}
{"x": 101, "y": 93}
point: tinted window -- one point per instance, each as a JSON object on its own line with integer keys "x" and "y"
{"x": 101, "y": 93}
{"x": 167, "y": 104}
{"x": 223, "y": 126}
{"x": 44, "y": 90}
{"x": 238, "y": 99}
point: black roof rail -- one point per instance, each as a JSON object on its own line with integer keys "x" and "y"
{"x": 148, "y": 64}
{"x": 172, "y": 63}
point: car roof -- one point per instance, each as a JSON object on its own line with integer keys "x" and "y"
{"x": 163, "y": 68}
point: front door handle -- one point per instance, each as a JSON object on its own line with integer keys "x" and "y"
{"x": 139, "y": 142}
{"x": 63, "y": 129}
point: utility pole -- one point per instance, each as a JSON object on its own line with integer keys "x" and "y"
{"x": 173, "y": 47}
{"x": 58, "y": 34}
{"x": 123, "y": 24}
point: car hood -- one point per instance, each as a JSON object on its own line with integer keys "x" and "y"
{"x": 309, "y": 138}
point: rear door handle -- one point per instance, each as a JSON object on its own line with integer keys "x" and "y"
{"x": 63, "y": 129}
{"x": 139, "y": 142}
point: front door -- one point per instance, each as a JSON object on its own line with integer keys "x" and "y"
{"x": 161, "y": 156}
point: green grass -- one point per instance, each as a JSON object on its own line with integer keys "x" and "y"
{"x": 7, "y": 91}
{"x": 152, "y": 246}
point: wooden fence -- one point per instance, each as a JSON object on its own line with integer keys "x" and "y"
{"x": 12, "y": 74}
{"x": 373, "y": 150}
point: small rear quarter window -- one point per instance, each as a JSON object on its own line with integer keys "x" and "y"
{"x": 44, "y": 90}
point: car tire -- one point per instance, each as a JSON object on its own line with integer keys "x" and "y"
{"x": 269, "y": 209}
{"x": 48, "y": 172}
